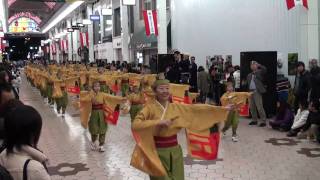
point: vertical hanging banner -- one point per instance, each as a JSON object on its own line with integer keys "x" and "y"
{"x": 293, "y": 3}
{"x": 84, "y": 39}
{"x": 0, "y": 44}
{"x": 151, "y": 22}
{"x": 61, "y": 45}
{"x": 65, "y": 45}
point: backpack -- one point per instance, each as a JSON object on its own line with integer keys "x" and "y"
{"x": 4, "y": 174}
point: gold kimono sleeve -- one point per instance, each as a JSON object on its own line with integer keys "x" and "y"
{"x": 85, "y": 107}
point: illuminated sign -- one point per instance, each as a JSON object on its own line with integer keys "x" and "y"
{"x": 23, "y": 24}
{"x": 10, "y": 2}
{"x": 94, "y": 17}
{"x": 25, "y": 14}
{"x": 50, "y": 4}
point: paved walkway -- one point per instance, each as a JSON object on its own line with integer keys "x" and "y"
{"x": 261, "y": 153}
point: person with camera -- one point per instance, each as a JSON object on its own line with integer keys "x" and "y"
{"x": 256, "y": 86}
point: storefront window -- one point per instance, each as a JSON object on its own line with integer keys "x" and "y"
{"x": 96, "y": 30}
{"x": 107, "y": 24}
{"x": 117, "y": 22}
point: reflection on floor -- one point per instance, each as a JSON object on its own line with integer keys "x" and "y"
{"x": 260, "y": 154}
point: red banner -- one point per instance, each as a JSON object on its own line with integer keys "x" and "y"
{"x": 111, "y": 116}
{"x": 204, "y": 147}
{"x": 244, "y": 110}
{"x": 73, "y": 90}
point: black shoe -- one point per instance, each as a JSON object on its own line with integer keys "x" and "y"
{"x": 291, "y": 134}
{"x": 253, "y": 123}
{"x": 262, "y": 124}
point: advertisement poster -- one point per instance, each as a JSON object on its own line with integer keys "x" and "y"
{"x": 292, "y": 62}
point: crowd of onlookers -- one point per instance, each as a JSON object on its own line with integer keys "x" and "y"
{"x": 20, "y": 157}
{"x": 297, "y": 107}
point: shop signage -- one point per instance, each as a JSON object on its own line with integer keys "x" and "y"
{"x": 94, "y": 17}
{"x": 143, "y": 45}
{"x": 129, "y": 2}
{"x": 75, "y": 27}
{"x": 117, "y": 43}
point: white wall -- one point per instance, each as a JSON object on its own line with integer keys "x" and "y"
{"x": 223, "y": 27}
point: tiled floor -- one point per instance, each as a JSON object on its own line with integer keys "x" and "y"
{"x": 261, "y": 153}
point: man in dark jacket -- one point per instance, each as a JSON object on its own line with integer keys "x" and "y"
{"x": 301, "y": 85}
{"x": 193, "y": 75}
{"x": 315, "y": 80}
{"x": 256, "y": 86}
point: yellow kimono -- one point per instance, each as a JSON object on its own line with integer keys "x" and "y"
{"x": 136, "y": 100}
{"x": 197, "y": 119}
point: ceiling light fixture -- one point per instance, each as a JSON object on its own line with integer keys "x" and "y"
{"x": 3, "y": 15}
{"x": 62, "y": 15}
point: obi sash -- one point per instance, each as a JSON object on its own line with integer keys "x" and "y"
{"x": 165, "y": 142}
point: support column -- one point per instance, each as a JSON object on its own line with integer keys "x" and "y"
{"x": 125, "y": 33}
{"x": 313, "y": 30}
{"x": 162, "y": 27}
{"x": 90, "y": 34}
{"x": 50, "y": 48}
{"x": 75, "y": 41}
{"x": 57, "y": 46}
{"x": 70, "y": 58}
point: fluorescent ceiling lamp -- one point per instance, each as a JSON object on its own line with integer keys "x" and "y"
{"x": 3, "y": 15}
{"x": 129, "y": 2}
{"x": 70, "y": 30}
{"x": 86, "y": 21}
{"x": 62, "y": 15}
{"x": 106, "y": 12}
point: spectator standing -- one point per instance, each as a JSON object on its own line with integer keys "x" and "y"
{"x": 283, "y": 86}
{"x": 21, "y": 139}
{"x": 203, "y": 84}
{"x": 301, "y": 84}
{"x": 193, "y": 75}
{"x": 237, "y": 78}
{"x": 255, "y": 84}
{"x": 215, "y": 85}
{"x": 315, "y": 80}
{"x": 5, "y": 79}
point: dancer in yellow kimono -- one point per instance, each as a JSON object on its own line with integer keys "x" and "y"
{"x": 155, "y": 129}
{"x": 97, "y": 122}
{"x": 169, "y": 150}
{"x": 136, "y": 99}
{"x": 233, "y": 100}
{"x": 61, "y": 95}
{"x": 102, "y": 81}
{"x": 50, "y": 88}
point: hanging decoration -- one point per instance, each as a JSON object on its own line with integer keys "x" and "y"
{"x": 84, "y": 39}
{"x": 293, "y": 3}
{"x": 150, "y": 21}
